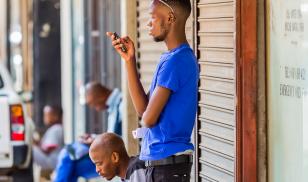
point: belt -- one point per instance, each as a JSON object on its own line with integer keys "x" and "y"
{"x": 174, "y": 159}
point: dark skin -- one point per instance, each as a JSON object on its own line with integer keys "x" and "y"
{"x": 108, "y": 154}
{"x": 50, "y": 118}
{"x": 164, "y": 26}
{"x": 96, "y": 98}
{"x": 86, "y": 139}
{"x": 98, "y": 103}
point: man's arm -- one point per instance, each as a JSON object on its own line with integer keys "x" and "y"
{"x": 156, "y": 105}
{"x": 139, "y": 97}
{"x": 52, "y": 140}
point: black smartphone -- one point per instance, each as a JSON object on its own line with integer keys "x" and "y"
{"x": 116, "y": 36}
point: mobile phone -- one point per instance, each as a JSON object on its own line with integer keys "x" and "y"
{"x": 116, "y": 36}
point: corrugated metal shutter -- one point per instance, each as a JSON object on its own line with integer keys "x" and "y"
{"x": 149, "y": 51}
{"x": 216, "y": 119}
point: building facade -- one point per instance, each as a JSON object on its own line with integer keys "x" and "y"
{"x": 251, "y": 119}
{"x": 87, "y": 57}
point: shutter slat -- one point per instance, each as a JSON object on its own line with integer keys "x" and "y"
{"x": 217, "y": 89}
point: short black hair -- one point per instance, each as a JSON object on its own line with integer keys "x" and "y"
{"x": 56, "y": 109}
{"x": 96, "y": 89}
{"x": 185, "y": 5}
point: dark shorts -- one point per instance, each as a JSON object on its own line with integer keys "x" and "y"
{"x": 169, "y": 173}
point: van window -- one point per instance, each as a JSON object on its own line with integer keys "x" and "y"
{"x": 1, "y": 83}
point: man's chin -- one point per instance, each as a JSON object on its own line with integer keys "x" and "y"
{"x": 109, "y": 178}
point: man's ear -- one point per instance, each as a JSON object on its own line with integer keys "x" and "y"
{"x": 115, "y": 157}
{"x": 171, "y": 17}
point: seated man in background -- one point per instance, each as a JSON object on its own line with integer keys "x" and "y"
{"x": 110, "y": 157}
{"x": 46, "y": 151}
{"x": 74, "y": 160}
{"x": 101, "y": 98}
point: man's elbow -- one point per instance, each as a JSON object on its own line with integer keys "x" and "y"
{"x": 148, "y": 121}
{"x": 140, "y": 113}
{"x": 148, "y": 124}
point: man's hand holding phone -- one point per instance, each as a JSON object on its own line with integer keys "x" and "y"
{"x": 123, "y": 45}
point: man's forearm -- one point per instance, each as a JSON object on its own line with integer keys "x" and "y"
{"x": 139, "y": 97}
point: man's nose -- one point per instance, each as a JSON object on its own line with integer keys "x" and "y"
{"x": 97, "y": 108}
{"x": 149, "y": 24}
{"x": 97, "y": 170}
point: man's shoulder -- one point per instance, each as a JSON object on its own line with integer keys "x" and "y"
{"x": 135, "y": 166}
{"x": 135, "y": 163}
{"x": 184, "y": 56}
{"x": 54, "y": 129}
{"x": 56, "y": 126}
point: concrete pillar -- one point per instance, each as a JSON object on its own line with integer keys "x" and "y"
{"x": 26, "y": 44}
{"x": 130, "y": 119}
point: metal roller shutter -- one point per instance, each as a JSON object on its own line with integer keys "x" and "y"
{"x": 148, "y": 51}
{"x": 216, "y": 118}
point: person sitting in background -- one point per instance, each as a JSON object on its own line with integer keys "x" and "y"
{"x": 101, "y": 98}
{"x": 46, "y": 151}
{"x": 74, "y": 160}
{"x": 110, "y": 157}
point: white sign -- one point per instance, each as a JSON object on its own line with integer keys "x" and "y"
{"x": 288, "y": 90}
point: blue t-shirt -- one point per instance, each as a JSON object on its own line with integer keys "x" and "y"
{"x": 177, "y": 71}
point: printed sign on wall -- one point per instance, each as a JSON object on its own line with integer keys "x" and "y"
{"x": 288, "y": 90}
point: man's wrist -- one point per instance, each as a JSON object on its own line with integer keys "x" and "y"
{"x": 131, "y": 60}
{"x": 131, "y": 65}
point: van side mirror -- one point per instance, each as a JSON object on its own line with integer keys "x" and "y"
{"x": 26, "y": 96}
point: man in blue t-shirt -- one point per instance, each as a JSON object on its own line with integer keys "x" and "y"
{"x": 169, "y": 110}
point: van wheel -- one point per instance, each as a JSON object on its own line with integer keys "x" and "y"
{"x": 23, "y": 175}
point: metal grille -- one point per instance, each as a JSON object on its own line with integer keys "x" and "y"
{"x": 216, "y": 117}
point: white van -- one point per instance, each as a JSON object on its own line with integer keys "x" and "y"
{"x": 16, "y": 130}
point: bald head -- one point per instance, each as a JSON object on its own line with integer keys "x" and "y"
{"x": 109, "y": 155}
{"x": 97, "y": 95}
{"x": 108, "y": 143}
{"x": 96, "y": 89}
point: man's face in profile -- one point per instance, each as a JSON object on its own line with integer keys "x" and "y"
{"x": 96, "y": 103}
{"x": 158, "y": 22}
{"x": 49, "y": 116}
{"x": 105, "y": 166}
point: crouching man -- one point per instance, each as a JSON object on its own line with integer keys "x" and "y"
{"x": 110, "y": 157}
